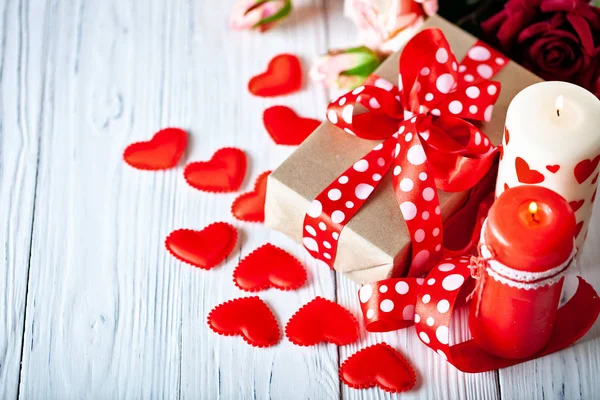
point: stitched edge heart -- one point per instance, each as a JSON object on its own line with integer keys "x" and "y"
{"x": 374, "y": 381}
{"x": 320, "y": 302}
{"x": 278, "y": 118}
{"x": 294, "y": 71}
{"x": 268, "y": 252}
{"x": 164, "y": 136}
{"x": 226, "y": 251}
{"x": 259, "y": 185}
{"x": 234, "y": 181}
{"x": 261, "y": 307}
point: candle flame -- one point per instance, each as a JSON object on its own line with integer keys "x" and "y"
{"x": 560, "y": 103}
{"x": 533, "y": 207}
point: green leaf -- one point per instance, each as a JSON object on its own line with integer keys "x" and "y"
{"x": 287, "y": 8}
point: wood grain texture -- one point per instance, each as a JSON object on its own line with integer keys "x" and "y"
{"x": 93, "y": 305}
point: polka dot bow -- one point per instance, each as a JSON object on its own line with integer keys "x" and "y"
{"x": 426, "y": 143}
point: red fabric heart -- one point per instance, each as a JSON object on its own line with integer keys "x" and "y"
{"x": 283, "y": 76}
{"x": 286, "y": 127}
{"x": 224, "y": 172}
{"x": 248, "y": 317}
{"x": 576, "y": 205}
{"x": 269, "y": 266}
{"x": 526, "y": 174}
{"x": 322, "y": 320}
{"x": 250, "y": 207}
{"x": 553, "y": 168}
{"x": 163, "y": 151}
{"x": 585, "y": 168}
{"x": 203, "y": 249}
{"x": 378, "y": 365}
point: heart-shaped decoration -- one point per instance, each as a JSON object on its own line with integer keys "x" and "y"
{"x": 576, "y": 205}
{"x": 501, "y": 149}
{"x": 322, "y": 320}
{"x": 585, "y": 168}
{"x": 283, "y": 76}
{"x": 526, "y": 174}
{"x": 594, "y": 195}
{"x": 378, "y": 365}
{"x": 248, "y": 317}
{"x": 269, "y": 266}
{"x": 506, "y": 187}
{"x": 506, "y": 135}
{"x": 595, "y": 178}
{"x": 286, "y": 127}
{"x": 224, "y": 172}
{"x": 578, "y": 228}
{"x": 163, "y": 151}
{"x": 203, "y": 249}
{"x": 553, "y": 168}
{"x": 250, "y": 207}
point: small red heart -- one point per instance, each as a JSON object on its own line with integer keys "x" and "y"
{"x": 501, "y": 148}
{"x": 250, "y": 207}
{"x": 595, "y": 178}
{"x": 322, "y": 320}
{"x": 594, "y": 195}
{"x": 553, "y": 168}
{"x": 578, "y": 228}
{"x": 248, "y": 317}
{"x": 286, "y": 127}
{"x": 585, "y": 168}
{"x": 269, "y": 266}
{"x": 163, "y": 151}
{"x": 506, "y": 135}
{"x": 224, "y": 172}
{"x": 526, "y": 174}
{"x": 203, "y": 249}
{"x": 283, "y": 76}
{"x": 576, "y": 205}
{"x": 378, "y": 365}
{"x": 506, "y": 187}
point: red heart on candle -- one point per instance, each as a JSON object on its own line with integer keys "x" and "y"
{"x": 224, "y": 172}
{"x": 378, "y": 365}
{"x": 283, "y": 76}
{"x": 286, "y": 127}
{"x": 163, "y": 151}
{"x": 595, "y": 178}
{"x": 322, "y": 320}
{"x": 506, "y": 187}
{"x": 250, "y": 207}
{"x": 203, "y": 249}
{"x": 553, "y": 168}
{"x": 594, "y": 195}
{"x": 247, "y": 317}
{"x": 501, "y": 148}
{"x": 506, "y": 135}
{"x": 526, "y": 174}
{"x": 578, "y": 228}
{"x": 585, "y": 168}
{"x": 269, "y": 266}
{"x": 576, "y": 205}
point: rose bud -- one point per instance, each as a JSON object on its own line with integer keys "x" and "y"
{"x": 345, "y": 69}
{"x": 259, "y": 14}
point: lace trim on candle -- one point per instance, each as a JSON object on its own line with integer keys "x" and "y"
{"x": 523, "y": 279}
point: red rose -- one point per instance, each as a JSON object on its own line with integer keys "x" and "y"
{"x": 556, "y": 39}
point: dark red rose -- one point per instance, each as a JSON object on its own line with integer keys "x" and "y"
{"x": 556, "y": 39}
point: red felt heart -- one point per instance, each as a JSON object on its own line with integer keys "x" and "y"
{"x": 553, "y": 168}
{"x": 269, "y": 266}
{"x": 506, "y": 135}
{"x": 526, "y": 174}
{"x": 163, "y": 151}
{"x": 378, "y": 365}
{"x": 203, "y": 249}
{"x": 578, "y": 228}
{"x": 224, "y": 172}
{"x": 286, "y": 127}
{"x": 576, "y": 205}
{"x": 247, "y": 317}
{"x": 283, "y": 76}
{"x": 250, "y": 207}
{"x": 585, "y": 168}
{"x": 322, "y": 320}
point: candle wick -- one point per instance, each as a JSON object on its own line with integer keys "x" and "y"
{"x": 558, "y": 112}
{"x": 533, "y": 218}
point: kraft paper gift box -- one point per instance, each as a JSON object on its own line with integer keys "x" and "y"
{"x": 375, "y": 244}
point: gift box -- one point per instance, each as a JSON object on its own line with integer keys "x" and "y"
{"x": 375, "y": 244}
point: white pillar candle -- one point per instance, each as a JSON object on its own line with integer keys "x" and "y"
{"x": 552, "y": 139}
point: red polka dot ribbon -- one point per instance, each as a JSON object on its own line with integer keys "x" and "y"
{"x": 426, "y": 143}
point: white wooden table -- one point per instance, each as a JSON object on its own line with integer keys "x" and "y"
{"x": 92, "y": 304}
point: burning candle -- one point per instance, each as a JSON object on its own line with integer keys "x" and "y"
{"x": 552, "y": 139}
{"x": 527, "y": 245}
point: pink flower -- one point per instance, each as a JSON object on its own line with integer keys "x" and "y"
{"x": 259, "y": 14}
{"x": 386, "y": 25}
{"x": 345, "y": 69}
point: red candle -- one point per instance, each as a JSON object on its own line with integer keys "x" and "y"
{"x": 528, "y": 243}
